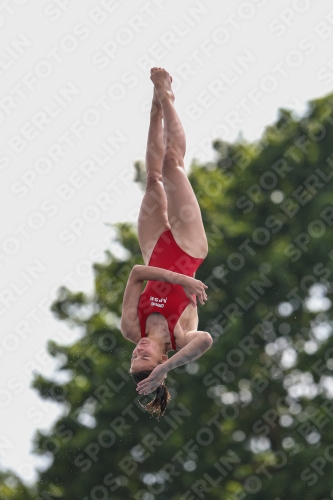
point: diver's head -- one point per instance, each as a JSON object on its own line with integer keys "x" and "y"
{"x": 147, "y": 354}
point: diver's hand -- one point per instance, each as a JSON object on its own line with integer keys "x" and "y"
{"x": 155, "y": 379}
{"x": 194, "y": 287}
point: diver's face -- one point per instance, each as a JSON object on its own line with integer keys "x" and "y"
{"x": 146, "y": 355}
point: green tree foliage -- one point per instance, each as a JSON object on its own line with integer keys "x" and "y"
{"x": 12, "y": 488}
{"x": 252, "y": 418}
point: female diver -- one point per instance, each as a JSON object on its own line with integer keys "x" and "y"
{"x": 173, "y": 243}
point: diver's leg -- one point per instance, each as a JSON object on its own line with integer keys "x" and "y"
{"x": 153, "y": 216}
{"x": 184, "y": 213}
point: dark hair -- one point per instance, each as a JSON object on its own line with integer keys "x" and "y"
{"x": 162, "y": 396}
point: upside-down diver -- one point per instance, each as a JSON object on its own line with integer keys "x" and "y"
{"x": 163, "y": 317}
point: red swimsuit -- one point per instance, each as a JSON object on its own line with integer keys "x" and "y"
{"x": 166, "y": 298}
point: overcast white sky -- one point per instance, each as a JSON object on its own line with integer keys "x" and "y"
{"x": 66, "y": 157}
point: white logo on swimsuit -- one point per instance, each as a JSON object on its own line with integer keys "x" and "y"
{"x": 157, "y": 302}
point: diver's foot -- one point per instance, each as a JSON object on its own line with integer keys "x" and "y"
{"x": 162, "y": 83}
